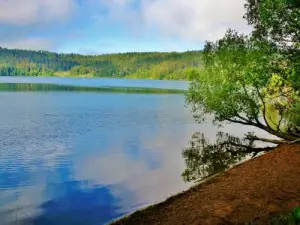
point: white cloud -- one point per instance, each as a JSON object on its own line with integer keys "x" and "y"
{"x": 191, "y": 21}
{"x": 194, "y": 20}
{"x": 26, "y": 12}
{"x": 28, "y": 43}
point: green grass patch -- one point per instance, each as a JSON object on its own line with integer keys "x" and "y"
{"x": 292, "y": 218}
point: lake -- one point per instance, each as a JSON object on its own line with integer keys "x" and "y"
{"x": 71, "y": 157}
{"x": 99, "y": 82}
{"x": 89, "y": 157}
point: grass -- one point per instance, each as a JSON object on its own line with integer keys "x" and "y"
{"x": 292, "y": 218}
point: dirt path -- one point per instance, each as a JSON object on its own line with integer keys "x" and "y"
{"x": 257, "y": 190}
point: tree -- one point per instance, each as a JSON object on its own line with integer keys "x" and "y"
{"x": 254, "y": 80}
{"x": 135, "y": 65}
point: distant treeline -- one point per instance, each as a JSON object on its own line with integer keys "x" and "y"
{"x": 154, "y": 65}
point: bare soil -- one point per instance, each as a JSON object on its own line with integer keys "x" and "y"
{"x": 254, "y": 191}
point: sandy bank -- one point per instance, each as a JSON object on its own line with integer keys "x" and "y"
{"x": 256, "y": 190}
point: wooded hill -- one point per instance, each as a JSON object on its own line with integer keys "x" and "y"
{"x": 146, "y": 65}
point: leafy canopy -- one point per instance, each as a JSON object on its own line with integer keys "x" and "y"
{"x": 254, "y": 80}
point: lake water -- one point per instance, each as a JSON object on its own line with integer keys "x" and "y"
{"x": 87, "y": 158}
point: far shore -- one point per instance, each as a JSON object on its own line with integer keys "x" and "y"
{"x": 254, "y": 191}
{"x": 66, "y": 74}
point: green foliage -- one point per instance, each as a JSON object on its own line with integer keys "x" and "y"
{"x": 254, "y": 80}
{"x": 277, "y": 20}
{"x": 293, "y": 218}
{"x": 163, "y": 66}
{"x": 232, "y": 67}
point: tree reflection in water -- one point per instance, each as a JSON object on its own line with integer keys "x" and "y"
{"x": 204, "y": 158}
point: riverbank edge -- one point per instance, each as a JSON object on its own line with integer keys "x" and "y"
{"x": 128, "y": 219}
{"x": 179, "y": 194}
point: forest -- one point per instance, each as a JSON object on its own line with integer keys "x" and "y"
{"x": 144, "y": 65}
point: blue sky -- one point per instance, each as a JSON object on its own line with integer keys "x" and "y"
{"x": 104, "y": 26}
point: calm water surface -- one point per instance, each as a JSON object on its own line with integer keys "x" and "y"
{"x": 88, "y": 158}
{"x": 98, "y": 82}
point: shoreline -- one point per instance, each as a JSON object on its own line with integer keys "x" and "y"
{"x": 255, "y": 190}
{"x": 103, "y": 77}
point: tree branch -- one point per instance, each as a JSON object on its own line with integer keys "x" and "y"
{"x": 242, "y": 118}
{"x": 294, "y": 142}
{"x": 252, "y": 103}
{"x": 264, "y": 107}
{"x": 241, "y": 122}
{"x": 247, "y": 148}
{"x": 274, "y": 141}
{"x": 263, "y": 127}
{"x": 279, "y": 122}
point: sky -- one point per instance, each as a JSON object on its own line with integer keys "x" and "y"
{"x": 109, "y": 26}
